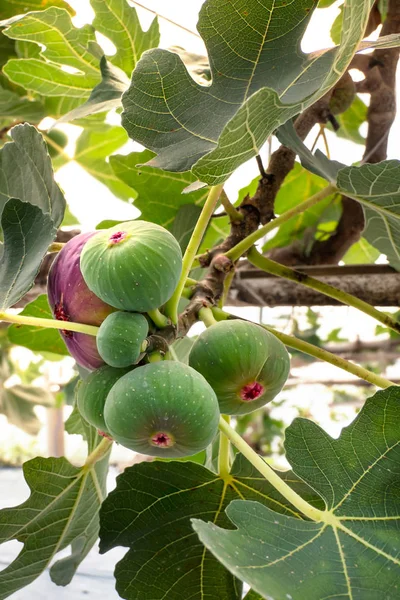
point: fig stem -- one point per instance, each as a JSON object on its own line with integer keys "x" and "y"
{"x": 270, "y": 475}
{"x": 234, "y": 215}
{"x": 237, "y": 251}
{"x": 155, "y": 357}
{"x": 270, "y": 266}
{"x": 55, "y": 247}
{"x": 224, "y": 466}
{"x": 159, "y": 319}
{"x": 190, "y": 281}
{"x": 171, "y": 307}
{"x": 320, "y": 353}
{"x": 98, "y": 453}
{"x": 206, "y": 315}
{"x": 49, "y": 323}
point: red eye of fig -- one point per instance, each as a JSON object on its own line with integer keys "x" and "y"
{"x": 61, "y": 315}
{"x": 252, "y": 391}
{"x": 162, "y": 440}
{"x": 117, "y": 237}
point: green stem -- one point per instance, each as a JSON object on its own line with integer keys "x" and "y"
{"x": 224, "y": 467}
{"x": 56, "y": 247}
{"x": 171, "y": 308}
{"x": 155, "y": 357}
{"x": 98, "y": 453}
{"x": 206, "y": 315}
{"x": 237, "y": 251}
{"x": 270, "y": 266}
{"x": 159, "y": 319}
{"x": 273, "y": 478}
{"x": 190, "y": 281}
{"x": 49, "y": 323}
{"x": 227, "y": 286}
{"x": 233, "y": 214}
{"x": 310, "y": 349}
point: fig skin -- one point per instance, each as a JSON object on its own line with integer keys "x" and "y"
{"x": 92, "y": 394}
{"x": 245, "y": 365}
{"x": 71, "y": 300}
{"x": 134, "y": 266}
{"x": 120, "y": 338}
{"x": 163, "y": 409}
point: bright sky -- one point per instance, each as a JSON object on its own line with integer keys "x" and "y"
{"x": 89, "y": 200}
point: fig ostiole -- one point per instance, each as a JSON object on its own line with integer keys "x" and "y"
{"x": 121, "y": 337}
{"x": 134, "y": 266}
{"x": 164, "y": 409}
{"x": 70, "y": 299}
{"x": 92, "y": 394}
{"x": 245, "y": 365}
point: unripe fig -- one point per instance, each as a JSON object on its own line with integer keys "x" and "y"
{"x": 121, "y": 337}
{"x": 162, "y": 409}
{"x": 343, "y": 95}
{"x": 245, "y": 365}
{"x": 92, "y": 394}
{"x": 71, "y": 300}
{"x": 134, "y": 266}
{"x": 59, "y": 138}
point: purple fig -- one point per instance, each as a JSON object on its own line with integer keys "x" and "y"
{"x": 71, "y": 300}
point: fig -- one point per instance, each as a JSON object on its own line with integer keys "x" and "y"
{"x": 71, "y": 300}
{"x": 134, "y": 266}
{"x": 163, "y": 409}
{"x": 121, "y": 337}
{"x": 245, "y": 365}
{"x": 92, "y": 394}
{"x": 60, "y": 140}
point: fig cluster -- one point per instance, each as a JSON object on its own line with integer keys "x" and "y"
{"x": 133, "y": 267}
{"x": 168, "y": 409}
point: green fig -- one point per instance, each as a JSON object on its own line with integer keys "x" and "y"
{"x": 135, "y": 265}
{"x": 120, "y": 338}
{"x": 92, "y": 394}
{"x": 245, "y": 365}
{"x": 162, "y": 409}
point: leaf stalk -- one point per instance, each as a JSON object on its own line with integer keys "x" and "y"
{"x": 270, "y": 266}
{"x": 49, "y": 323}
{"x": 273, "y": 478}
{"x": 171, "y": 307}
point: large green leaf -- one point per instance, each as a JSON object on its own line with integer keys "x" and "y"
{"x": 361, "y": 253}
{"x": 105, "y": 96}
{"x": 27, "y": 232}
{"x": 159, "y": 193}
{"x": 119, "y": 22}
{"x": 37, "y": 339}
{"x": 26, "y": 173}
{"x": 17, "y": 403}
{"x": 354, "y": 551}
{"x": 62, "y": 511}
{"x": 18, "y": 108}
{"x": 377, "y": 188}
{"x": 92, "y": 150}
{"x": 69, "y": 64}
{"x": 9, "y": 8}
{"x": 260, "y": 79}
{"x": 149, "y": 512}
